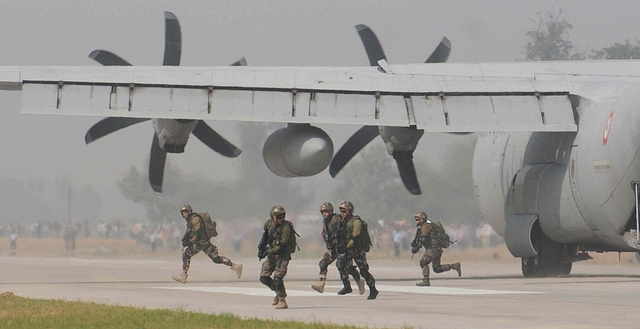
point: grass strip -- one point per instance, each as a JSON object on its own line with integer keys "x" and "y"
{"x": 20, "y": 312}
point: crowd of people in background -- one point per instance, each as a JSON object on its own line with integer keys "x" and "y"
{"x": 386, "y": 235}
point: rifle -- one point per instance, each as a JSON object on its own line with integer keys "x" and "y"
{"x": 339, "y": 249}
{"x": 416, "y": 241}
{"x": 326, "y": 237}
{"x": 262, "y": 245}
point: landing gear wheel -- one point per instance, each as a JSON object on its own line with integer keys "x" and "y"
{"x": 549, "y": 260}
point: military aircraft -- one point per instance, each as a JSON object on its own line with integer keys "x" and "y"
{"x": 556, "y": 165}
{"x": 170, "y": 135}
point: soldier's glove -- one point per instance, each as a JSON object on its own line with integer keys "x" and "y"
{"x": 415, "y": 250}
{"x": 414, "y": 244}
{"x": 185, "y": 242}
{"x": 262, "y": 254}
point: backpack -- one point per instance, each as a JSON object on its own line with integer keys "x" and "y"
{"x": 210, "y": 226}
{"x": 292, "y": 241}
{"x": 440, "y": 235}
{"x": 365, "y": 240}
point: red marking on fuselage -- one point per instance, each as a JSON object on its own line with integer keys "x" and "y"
{"x": 607, "y": 128}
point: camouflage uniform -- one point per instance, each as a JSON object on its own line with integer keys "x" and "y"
{"x": 353, "y": 250}
{"x": 278, "y": 237}
{"x": 433, "y": 251}
{"x": 330, "y": 229}
{"x": 195, "y": 239}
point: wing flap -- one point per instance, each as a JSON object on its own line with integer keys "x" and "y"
{"x": 314, "y": 95}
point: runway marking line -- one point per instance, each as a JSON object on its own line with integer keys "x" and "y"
{"x": 387, "y": 288}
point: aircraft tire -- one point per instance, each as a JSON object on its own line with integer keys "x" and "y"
{"x": 548, "y": 262}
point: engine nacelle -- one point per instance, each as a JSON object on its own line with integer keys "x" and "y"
{"x": 298, "y": 151}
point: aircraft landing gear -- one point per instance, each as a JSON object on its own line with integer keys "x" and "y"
{"x": 553, "y": 258}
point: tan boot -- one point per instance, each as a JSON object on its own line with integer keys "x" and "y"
{"x": 182, "y": 278}
{"x": 457, "y": 267}
{"x": 282, "y": 304}
{"x": 424, "y": 283}
{"x": 319, "y": 287}
{"x": 238, "y": 269}
{"x": 361, "y": 286}
{"x": 276, "y": 299}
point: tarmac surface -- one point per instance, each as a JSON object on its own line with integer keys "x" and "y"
{"x": 488, "y": 295}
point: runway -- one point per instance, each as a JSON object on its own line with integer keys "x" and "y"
{"x": 488, "y": 295}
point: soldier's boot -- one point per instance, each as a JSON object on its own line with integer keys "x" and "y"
{"x": 238, "y": 269}
{"x": 182, "y": 278}
{"x": 319, "y": 287}
{"x": 346, "y": 289}
{"x": 361, "y": 286}
{"x": 373, "y": 292}
{"x": 282, "y": 303}
{"x": 276, "y": 300}
{"x": 425, "y": 283}
{"x": 457, "y": 267}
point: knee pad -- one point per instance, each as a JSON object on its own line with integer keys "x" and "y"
{"x": 278, "y": 284}
{"x": 423, "y": 263}
{"x": 267, "y": 281}
{"x": 323, "y": 265}
{"x": 438, "y": 269}
{"x": 340, "y": 264}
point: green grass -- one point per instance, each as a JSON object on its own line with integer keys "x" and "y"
{"x": 20, "y": 312}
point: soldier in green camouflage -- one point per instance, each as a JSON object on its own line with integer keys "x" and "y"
{"x": 276, "y": 245}
{"x": 195, "y": 239}
{"x": 331, "y": 224}
{"x": 353, "y": 248}
{"x": 433, "y": 250}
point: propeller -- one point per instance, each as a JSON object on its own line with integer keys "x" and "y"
{"x": 362, "y": 137}
{"x": 202, "y": 131}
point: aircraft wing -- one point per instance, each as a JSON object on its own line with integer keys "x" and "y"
{"x": 316, "y": 95}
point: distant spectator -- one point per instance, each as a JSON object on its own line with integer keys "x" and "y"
{"x": 14, "y": 246}
{"x": 397, "y": 240}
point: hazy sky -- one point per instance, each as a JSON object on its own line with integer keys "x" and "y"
{"x": 266, "y": 33}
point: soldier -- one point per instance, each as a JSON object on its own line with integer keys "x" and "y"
{"x": 195, "y": 239}
{"x": 330, "y": 228}
{"x": 277, "y": 244}
{"x": 425, "y": 237}
{"x": 354, "y": 244}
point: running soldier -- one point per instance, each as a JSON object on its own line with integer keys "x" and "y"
{"x": 195, "y": 240}
{"x": 426, "y": 237}
{"x": 354, "y": 244}
{"x": 277, "y": 244}
{"x": 331, "y": 225}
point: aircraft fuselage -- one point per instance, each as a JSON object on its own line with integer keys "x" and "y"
{"x": 580, "y": 185}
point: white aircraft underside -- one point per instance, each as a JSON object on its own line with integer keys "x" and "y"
{"x": 555, "y": 165}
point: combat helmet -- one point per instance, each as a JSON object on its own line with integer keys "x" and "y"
{"x": 326, "y": 206}
{"x": 277, "y": 211}
{"x": 187, "y": 208}
{"x": 422, "y": 216}
{"x": 348, "y": 207}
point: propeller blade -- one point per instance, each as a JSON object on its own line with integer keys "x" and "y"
{"x": 241, "y": 62}
{"x": 214, "y": 141}
{"x": 172, "y": 40}
{"x": 354, "y": 144}
{"x": 371, "y": 44}
{"x": 108, "y": 58}
{"x": 407, "y": 170}
{"x": 108, "y": 125}
{"x": 441, "y": 54}
{"x": 156, "y": 164}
